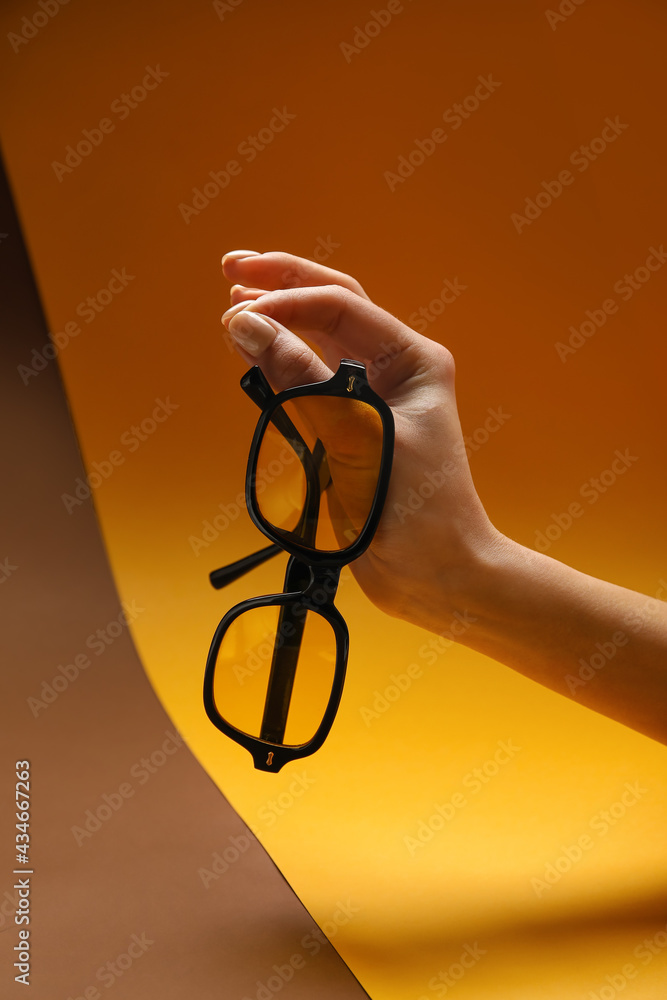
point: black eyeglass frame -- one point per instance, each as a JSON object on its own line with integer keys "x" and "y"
{"x": 311, "y": 579}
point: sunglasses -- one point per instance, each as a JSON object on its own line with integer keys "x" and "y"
{"x": 317, "y": 479}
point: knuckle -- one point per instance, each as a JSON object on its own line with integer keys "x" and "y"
{"x": 339, "y": 300}
{"x": 292, "y": 277}
{"x": 296, "y": 363}
{"x": 443, "y": 362}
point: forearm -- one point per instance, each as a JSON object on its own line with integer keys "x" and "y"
{"x": 598, "y": 644}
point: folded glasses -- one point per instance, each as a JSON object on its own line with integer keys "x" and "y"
{"x": 316, "y": 482}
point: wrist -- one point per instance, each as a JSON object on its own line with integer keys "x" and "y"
{"x": 465, "y": 587}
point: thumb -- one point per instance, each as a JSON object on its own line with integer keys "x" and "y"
{"x": 284, "y": 358}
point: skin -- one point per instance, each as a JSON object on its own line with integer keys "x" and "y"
{"x": 520, "y": 607}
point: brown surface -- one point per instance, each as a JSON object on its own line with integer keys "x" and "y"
{"x": 138, "y": 874}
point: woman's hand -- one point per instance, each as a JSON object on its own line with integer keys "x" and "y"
{"x": 434, "y": 531}
{"x": 436, "y": 559}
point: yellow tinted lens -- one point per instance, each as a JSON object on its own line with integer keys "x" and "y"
{"x": 318, "y": 468}
{"x": 274, "y": 673}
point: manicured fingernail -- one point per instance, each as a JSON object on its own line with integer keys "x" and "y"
{"x": 240, "y": 254}
{"x": 233, "y": 310}
{"x": 252, "y": 332}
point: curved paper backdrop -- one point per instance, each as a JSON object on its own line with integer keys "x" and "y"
{"x": 462, "y": 828}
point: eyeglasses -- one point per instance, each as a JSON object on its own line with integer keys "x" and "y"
{"x": 317, "y": 478}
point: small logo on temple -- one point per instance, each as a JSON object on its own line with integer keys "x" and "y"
{"x": 269, "y": 759}
{"x": 350, "y": 382}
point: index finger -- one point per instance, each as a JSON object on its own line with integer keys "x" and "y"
{"x": 347, "y": 326}
{"x": 275, "y": 269}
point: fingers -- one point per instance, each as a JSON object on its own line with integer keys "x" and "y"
{"x": 331, "y": 309}
{"x": 239, "y": 293}
{"x": 282, "y": 270}
{"x": 345, "y": 325}
{"x": 283, "y": 357}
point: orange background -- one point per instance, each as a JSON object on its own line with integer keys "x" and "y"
{"x": 322, "y": 179}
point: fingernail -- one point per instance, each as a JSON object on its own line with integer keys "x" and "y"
{"x": 240, "y": 254}
{"x": 252, "y": 332}
{"x": 233, "y": 310}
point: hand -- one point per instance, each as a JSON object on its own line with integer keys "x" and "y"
{"x": 436, "y": 556}
{"x": 418, "y": 567}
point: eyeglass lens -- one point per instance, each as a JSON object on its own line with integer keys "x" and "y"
{"x": 257, "y": 655}
{"x": 317, "y": 469}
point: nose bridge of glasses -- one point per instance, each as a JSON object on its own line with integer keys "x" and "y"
{"x": 287, "y": 646}
{"x": 317, "y": 584}
{"x": 298, "y": 576}
{"x": 318, "y": 589}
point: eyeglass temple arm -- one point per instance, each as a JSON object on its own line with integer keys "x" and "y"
{"x": 291, "y": 622}
{"x": 227, "y": 574}
{"x": 256, "y": 387}
{"x": 289, "y": 634}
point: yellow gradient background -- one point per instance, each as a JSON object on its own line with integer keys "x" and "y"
{"x": 336, "y": 824}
